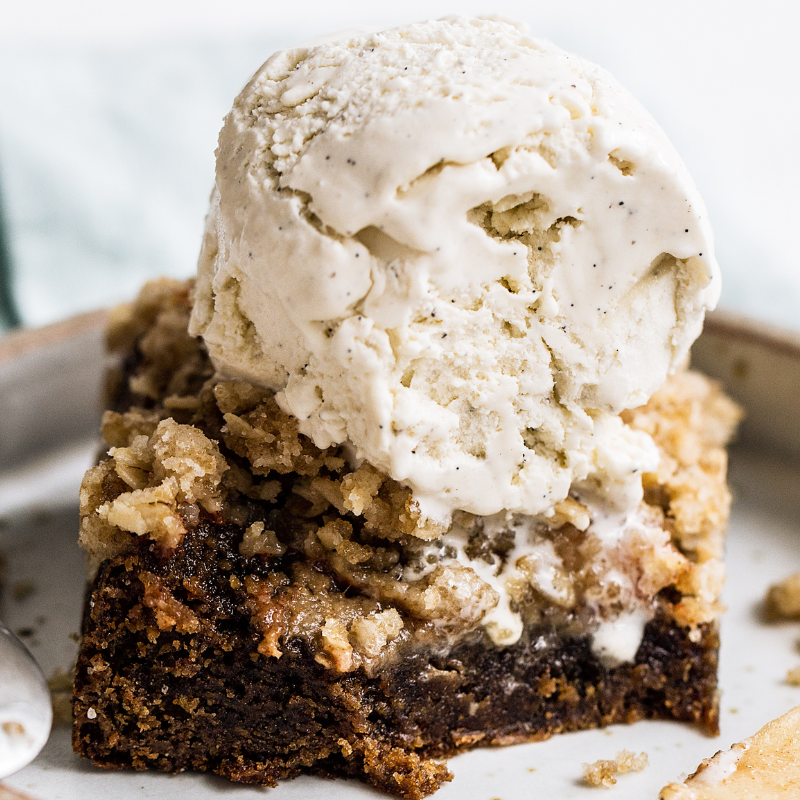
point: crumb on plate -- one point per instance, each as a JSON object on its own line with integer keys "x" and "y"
{"x": 783, "y": 599}
{"x": 793, "y": 676}
{"x": 604, "y": 772}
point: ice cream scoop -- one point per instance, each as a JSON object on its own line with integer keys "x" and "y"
{"x": 461, "y": 250}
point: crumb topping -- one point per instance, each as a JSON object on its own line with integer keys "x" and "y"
{"x": 168, "y": 476}
{"x": 346, "y": 632}
{"x": 691, "y": 420}
{"x": 185, "y": 447}
{"x": 793, "y": 676}
{"x": 170, "y": 613}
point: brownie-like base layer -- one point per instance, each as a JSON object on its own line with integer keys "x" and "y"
{"x": 180, "y": 685}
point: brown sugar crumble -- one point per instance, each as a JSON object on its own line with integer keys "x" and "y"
{"x": 604, "y": 772}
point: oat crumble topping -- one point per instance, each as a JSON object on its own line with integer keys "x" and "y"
{"x": 191, "y": 447}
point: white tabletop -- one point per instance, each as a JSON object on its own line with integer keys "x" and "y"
{"x": 109, "y": 114}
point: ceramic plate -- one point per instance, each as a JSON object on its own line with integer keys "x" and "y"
{"x": 49, "y": 382}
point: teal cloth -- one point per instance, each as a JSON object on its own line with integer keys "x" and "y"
{"x": 9, "y": 316}
{"x": 106, "y": 164}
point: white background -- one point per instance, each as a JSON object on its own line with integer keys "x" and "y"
{"x": 109, "y": 113}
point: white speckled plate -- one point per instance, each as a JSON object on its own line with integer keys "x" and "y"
{"x": 48, "y": 384}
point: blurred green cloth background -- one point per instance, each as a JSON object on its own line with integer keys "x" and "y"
{"x": 9, "y": 316}
{"x": 106, "y": 165}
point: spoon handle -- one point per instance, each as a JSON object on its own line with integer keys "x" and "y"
{"x": 25, "y": 710}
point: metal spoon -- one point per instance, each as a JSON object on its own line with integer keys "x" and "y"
{"x": 25, "y": 710}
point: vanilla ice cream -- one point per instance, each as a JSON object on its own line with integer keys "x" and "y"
{"x": 461, "y": 251}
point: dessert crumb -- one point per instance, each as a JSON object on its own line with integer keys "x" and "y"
{"x": 783, "y": 599}
{"x": 793, "y": 676}
{"x": 600, "y": 773}
{"x": 604, "y": 772}
{"x": 628, "y": 762}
